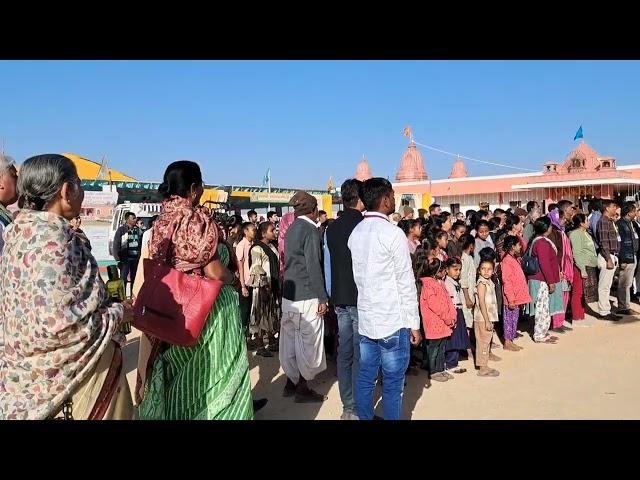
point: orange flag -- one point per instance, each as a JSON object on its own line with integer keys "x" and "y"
{"x": 407, "y": 131}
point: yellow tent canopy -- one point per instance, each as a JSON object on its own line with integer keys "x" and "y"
{"x": 88, "y": 169}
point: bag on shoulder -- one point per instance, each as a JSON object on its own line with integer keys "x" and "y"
{"x": 530, "y": 263}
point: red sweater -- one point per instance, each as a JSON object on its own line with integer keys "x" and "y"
{"x": 436, "y": 307}
{"x": 514, "y": 283}
{"x": 548, "y": 259}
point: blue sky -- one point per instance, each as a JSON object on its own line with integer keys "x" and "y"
{"x": 307, "y": 120}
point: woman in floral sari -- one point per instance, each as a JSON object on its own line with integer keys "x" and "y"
{"x": 58, "y": 356}
{"x": 210, "y": 380}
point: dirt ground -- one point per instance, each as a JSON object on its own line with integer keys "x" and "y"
{"x": 591, "y": 373}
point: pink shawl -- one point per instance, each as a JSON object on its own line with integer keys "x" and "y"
{"x": 285, "y": 222}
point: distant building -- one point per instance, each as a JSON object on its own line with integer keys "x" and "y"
{"x": 582, "y": 175}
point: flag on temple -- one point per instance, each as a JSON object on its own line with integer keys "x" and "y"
{"x": 407, "y": 131}
{"x": 578, "y": 134}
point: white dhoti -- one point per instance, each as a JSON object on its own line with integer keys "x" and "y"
{"x": 301, "y": 340}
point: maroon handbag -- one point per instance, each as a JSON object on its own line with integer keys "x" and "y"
{"x": 172, "y": 305}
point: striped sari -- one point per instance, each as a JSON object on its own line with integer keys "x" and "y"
{"x": 209, "y": 381}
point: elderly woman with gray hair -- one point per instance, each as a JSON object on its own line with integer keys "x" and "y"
{"x": 58, "y": 357}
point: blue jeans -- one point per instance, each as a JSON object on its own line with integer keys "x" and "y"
{"x": 128, "y": 267}
{"x": 348, "y": 355}
{"x": 392, "y": 354}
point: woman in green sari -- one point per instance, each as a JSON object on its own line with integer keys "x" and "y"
{"x": 210, "y": 380}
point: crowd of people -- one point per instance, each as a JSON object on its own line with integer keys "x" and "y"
{"x": 404, "y": 292}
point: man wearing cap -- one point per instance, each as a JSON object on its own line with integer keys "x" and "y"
{"x": 8, "y": 192}
{"x": 304, "y": 302}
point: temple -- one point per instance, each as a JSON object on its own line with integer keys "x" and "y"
{"x": 581, "y": 176}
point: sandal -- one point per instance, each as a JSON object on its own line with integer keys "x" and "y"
{"x": 491, "y": 373}
{"x": 264, "y": 352}
{"x": 547, "y": 340}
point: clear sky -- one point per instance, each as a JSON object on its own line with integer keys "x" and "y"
{"x": 307, "y": 120}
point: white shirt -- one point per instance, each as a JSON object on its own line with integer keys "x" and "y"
{"x": 146, "y": 238}
{"x": 304, "y": 217}
{"x": 387, "y": 295}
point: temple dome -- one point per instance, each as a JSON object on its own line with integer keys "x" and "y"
{"x": 363, "y": 172}
{"x": 411, "y": 166}
{"x": 458, "y": 170}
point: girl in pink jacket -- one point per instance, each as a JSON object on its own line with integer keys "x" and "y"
{"x": 438, "y": 317}
{"x": 515, "y": 290}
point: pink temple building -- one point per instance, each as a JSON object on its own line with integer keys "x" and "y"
{"x": 582, "y": 175}
{"x": 363, "y": 172}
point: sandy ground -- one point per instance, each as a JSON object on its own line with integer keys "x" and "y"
{"x": 591, "y": 373}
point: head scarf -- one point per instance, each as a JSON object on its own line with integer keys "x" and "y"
{"x": 554, "y": 215}
{"x": 189, "y": 232}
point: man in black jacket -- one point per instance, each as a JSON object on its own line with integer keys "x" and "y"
{"x": 127, "y": 248}
{"x": 344, "y": 294}
{"x": 304, "y": 303}
{"x": 627, "y": 256}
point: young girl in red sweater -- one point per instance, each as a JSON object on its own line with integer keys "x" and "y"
{"x": 515, "y": 290}
{"x": 438, "y": 318}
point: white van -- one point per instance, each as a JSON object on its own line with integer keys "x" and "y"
{"x": 142, "y": 211}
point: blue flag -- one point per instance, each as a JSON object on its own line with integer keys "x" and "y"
{"x": 267, "y": 177}
{"x": 578, "y": 134}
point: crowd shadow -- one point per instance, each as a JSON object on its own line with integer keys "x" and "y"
{"x": 270, "y": 385}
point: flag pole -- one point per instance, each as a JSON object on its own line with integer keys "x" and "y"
{"x": 269, "y": 194}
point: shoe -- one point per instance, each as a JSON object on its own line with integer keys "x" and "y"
{"x": 439, "y": 377}
{"x": 289, "y": 389}
{"x": 449, "y": 376}
{"x": 624, "y": 312}
{"x": 259, "y": 404}
{"x": 611, "y": 317}
{"x": 309, "y": 396}
{"x": 348, "y": 416}
{"x": 460, "y": 370}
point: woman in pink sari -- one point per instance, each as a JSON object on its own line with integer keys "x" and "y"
{"x": 558, "y": 220}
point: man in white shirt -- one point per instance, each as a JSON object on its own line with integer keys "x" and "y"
{"x": 388, "y": 318}
{"x": 8, "y": 192}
